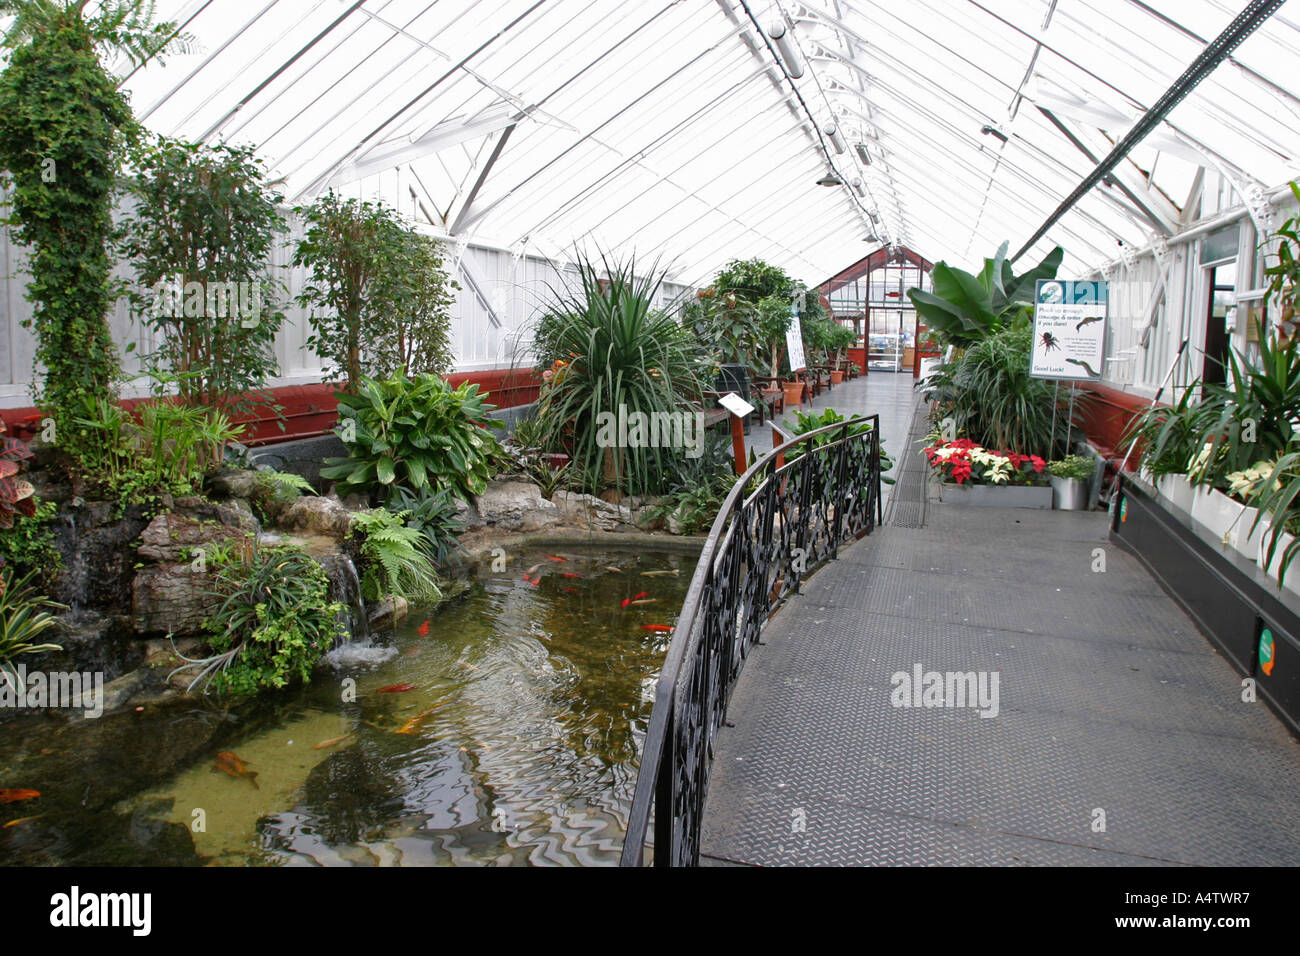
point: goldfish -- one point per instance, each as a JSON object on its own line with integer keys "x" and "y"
{"x": 659, "y": 574}
{"x": 326, "y": 744}
{"x": 413, "y": 724}
{"x": 528, "y": 579}
{"x": 14, "y": 823}
{"x": 646, "y": 601}
{"x": 14, "y": 796}
{"x": 635, "y": 597}
{"x": 396, "y": 688}
{"x": 533, "y": 570}
{"x": 570, "y": 574}
{"x": 423, "y": 629}
{"x": 657, "y": 628}
{"x": 234, "y": 766}
{"x": 571, "y": 590}
{"x": 554, "y": 558}
{"x": 610, "y": 567}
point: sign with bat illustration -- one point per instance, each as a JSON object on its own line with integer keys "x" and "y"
{"x": 1069, "y": 330}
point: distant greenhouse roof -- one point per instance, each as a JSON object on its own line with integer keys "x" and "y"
{"x": 671, "y": 128}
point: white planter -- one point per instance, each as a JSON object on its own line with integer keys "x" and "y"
{"x": 1245, "y": 540}
{"x": 1176, "y": 490}
{"x": 1292, "y": 580}
{"x": 1218, "y": 514}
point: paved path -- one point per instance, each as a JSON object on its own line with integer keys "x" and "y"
{"x": 1109, "y": 701}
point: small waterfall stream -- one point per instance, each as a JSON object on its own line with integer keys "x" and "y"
{"x": 345, "y": 588}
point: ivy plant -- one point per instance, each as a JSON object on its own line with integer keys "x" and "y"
{"x": 63, "y": 127}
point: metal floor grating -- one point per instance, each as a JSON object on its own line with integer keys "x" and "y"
{"x": 907, "y": 504}
{"x": 1109, "y": 700}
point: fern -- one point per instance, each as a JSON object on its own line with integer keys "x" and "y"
{"x": 397, "y": 559}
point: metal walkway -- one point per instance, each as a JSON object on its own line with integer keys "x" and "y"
{"x": 1120, "y": 736}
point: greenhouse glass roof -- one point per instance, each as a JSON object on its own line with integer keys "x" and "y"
{"x": 674, "y": 130}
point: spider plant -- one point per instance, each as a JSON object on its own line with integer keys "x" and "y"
{"x": 1169, "y": 436}
{"x": 24, "y": 617}
{"x": 618, "y": 352}
{"x": 1253, "y": 417}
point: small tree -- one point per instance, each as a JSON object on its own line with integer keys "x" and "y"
{"x": 416, "y": 333}
{"x": 200, "y": 234}
{"x": 62, "y": 126}
{"x": 356, "y": 252}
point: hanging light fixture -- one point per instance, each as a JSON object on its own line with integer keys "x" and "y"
{"x": 831, "y": 178}
{"x": 833, "y": 134}
{"x": 858, "y": 187}
{"x": 785, "y": 45}
{"x": 864, "y": 154}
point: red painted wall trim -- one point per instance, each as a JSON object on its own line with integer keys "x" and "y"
{"x": 312, "y": 409}
{"x": 1107, "y": 414}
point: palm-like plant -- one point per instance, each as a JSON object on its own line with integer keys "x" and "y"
{"x": 618, "y": 352}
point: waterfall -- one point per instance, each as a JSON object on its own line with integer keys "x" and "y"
{"x": 345, "y": 588}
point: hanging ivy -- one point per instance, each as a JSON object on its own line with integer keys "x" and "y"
{"x": 63, "y": 125}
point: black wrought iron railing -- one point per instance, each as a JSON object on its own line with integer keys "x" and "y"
{"x": 787, "y": 515}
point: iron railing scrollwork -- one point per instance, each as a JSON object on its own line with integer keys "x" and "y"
{"x": 787, "y": 515}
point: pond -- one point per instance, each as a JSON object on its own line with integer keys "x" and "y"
{"x": 504, "y": 728}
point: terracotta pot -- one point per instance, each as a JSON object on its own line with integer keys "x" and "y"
{"x": 836, "y": 377}
{"x": 793, "y": 393}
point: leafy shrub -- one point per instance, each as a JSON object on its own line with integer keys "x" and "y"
{"x": 807, "y": 422}
{"x": 378, "y": 292}
{"x": 414, "y": 433}
{"x": 274, "y": 624}
{"x": 1169, "y": 436}
{"x": 396, "y": 559}
{"x": 1078, "y": 467}
{"x": 16, "y": 496}
{"x": 28, "y": 546}
{"x": 697, "y": 487}
{"x": 965, "y": 309}
{"x": 164, "y": 446}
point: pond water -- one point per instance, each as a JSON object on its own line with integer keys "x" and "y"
{"x": 504, "y": 728}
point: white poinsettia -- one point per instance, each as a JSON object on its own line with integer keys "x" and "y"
{"x": 1246, "y": 484}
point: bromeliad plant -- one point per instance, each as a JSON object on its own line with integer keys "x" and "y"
{"x": 24, "y": 617}
{"x": 417, "y": 433}
{"x": 964, "y": 461}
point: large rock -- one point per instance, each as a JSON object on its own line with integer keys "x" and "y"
{"x": 94, "y": 540}
{"x": 516, "y": 506}
{"x": 178, "y": 536}
{"x": 227, "y": 482}
{"x": 325, "y": 516}
{"x": 586, "y": 511}
{"x": 468, "y": 516}
{"x": 172, "y": 598}
{"x": 388, "y": 613}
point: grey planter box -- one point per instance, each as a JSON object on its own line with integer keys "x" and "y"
{"x": 997, "y": 496}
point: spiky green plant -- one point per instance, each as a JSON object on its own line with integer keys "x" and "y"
{"x": 24, "y": 617}
{"x": 618, "y": 351}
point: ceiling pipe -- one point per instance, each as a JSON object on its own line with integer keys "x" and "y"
{"x": 1246, "y": 23}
